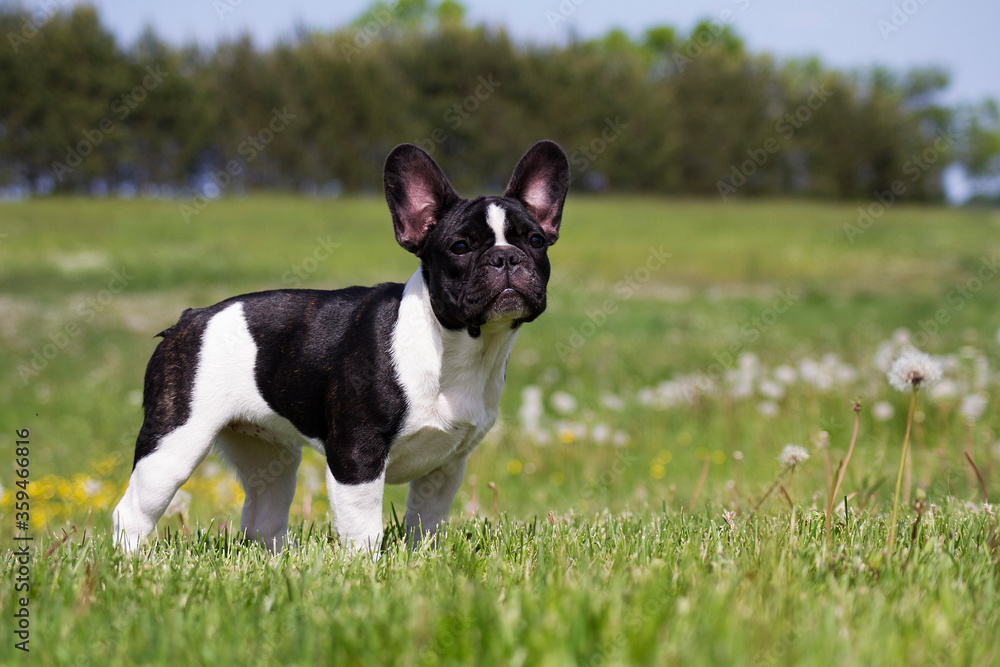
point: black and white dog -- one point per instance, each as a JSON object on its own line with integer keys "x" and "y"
{"x": 393, "y": 383}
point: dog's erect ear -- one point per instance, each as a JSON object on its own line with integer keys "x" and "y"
{"x": 540, "y": 181}
{"x": 417, "y": 192}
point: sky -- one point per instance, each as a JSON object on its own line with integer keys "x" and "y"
{"x": 959, "y": 35}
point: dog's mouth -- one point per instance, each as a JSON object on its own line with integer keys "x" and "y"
{"x": 509, "y": 299}
{"x": 509, "y": 304}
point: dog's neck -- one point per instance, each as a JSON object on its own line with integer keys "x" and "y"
{"x": 432, "y": 360}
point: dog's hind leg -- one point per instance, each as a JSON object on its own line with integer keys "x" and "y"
{"x": 199, "y": 379}
{"x": 267, "y": 471}
{"x": 157, "y": 476}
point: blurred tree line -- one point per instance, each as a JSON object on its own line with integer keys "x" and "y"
{"x": 692, "y": 114}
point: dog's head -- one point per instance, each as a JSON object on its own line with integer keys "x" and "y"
{"x": 485, "y": 259}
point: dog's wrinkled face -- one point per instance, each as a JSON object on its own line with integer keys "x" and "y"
{"x": 484, "y": 260}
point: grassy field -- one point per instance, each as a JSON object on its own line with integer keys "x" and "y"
{"x": 686, "y": 343}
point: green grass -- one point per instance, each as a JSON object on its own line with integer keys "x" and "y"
{"x": 651, "y": 588}
{"x": 628, "y": 570}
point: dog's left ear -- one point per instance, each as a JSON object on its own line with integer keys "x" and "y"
{"x": 540, "y": 182}
{"x": 418, "y": 193}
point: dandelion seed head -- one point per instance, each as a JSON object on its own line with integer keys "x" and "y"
{"x": 822, "y": 440}
{"x": 901, "y": 336}
{"x": 91, "y": 487}
{"x": 768, "y": 408}
{"x": 771, "y": 389}
{"x": 884, "y": 355}
{"x": 792, "y": 455}
{"x": 914, "y": 369}
{"x": 600, "y": 433}
{"x": 563, "y": 403}
{"x": 944, "y": 390}
{"x": 883, "y": 411}
{"x": 612, "y": 402}
{"x": 786, "y": 374}
{"x": 973, "y": 406}
{"x": 532, "y": 409}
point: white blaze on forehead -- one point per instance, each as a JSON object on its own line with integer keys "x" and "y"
{"x": 497, "y": 218}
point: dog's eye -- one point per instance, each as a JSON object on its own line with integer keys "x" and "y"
{"x": 460, "y": 247}
{"x": 536, "y": 241}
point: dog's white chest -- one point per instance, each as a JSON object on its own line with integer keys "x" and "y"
{"x": 452, "y": 384}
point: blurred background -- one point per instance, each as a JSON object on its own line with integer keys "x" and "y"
{"x": 769, "y": 201}
{"x": 186, "y": 98}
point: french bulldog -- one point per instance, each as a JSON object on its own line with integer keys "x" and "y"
{"x": 394, "y": 384}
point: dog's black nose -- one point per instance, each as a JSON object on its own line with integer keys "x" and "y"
{"x": 503, "y": 257}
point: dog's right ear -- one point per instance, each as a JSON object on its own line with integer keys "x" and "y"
{"x": 417, "y": 192}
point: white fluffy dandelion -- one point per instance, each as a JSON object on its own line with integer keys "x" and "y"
{"x": 771, "y": 389}
{"x": 883, "y": 411}
{"x": 973, "y": 406}
{"x": 822, "y": 440}
{"x": 768, "y": 408}
{"x": 914, "y": 369}
{"x": 786, "y": 374}
{"x": 532, "y": 409}
{"x": 792, "y": 455}
{"x": 600, "y": 433}
{"x": 612, "y": 402}
{"x": 563, "y": 403}
{"x": 945, "y": 390}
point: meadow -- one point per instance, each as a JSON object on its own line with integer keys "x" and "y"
{"x": 628, "y": 508}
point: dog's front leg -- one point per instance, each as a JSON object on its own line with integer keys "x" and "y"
{"x": 430, "y": 498}
{"x": 357, "y": 512}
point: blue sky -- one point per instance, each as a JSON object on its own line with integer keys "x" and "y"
{"x": 960, "y": 35}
